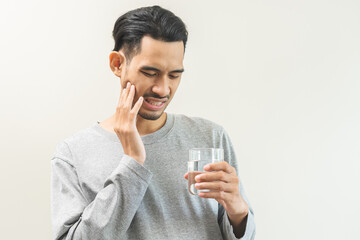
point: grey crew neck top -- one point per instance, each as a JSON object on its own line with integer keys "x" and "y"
{"x": 151, "y": 138}
{"x": 98, "y": 192}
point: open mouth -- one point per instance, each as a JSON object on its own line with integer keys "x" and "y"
{"x": 154, "y": 105}
{"x": 154, "y": 102}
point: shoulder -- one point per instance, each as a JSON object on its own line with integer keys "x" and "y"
{"x": 81, "y": 138}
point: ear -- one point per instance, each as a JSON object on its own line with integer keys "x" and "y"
{"x": 117, "y": 62}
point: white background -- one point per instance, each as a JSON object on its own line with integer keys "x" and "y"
{"x": 282, "y": 77}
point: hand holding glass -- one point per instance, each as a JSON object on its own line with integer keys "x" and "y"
{"x": 198, "y": 158}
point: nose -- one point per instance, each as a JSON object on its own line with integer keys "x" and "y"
{"x": 161, "y": 86}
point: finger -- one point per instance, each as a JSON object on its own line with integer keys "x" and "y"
{"x": 220, "y": 166}
{"x": 214, "y": 176}
{"x": 118, "y": 105}
{"x": 134, "y": 111}
{"x": 127, "y": 90}
{"x": 130, "y": 98}
{"x": 122, "y": 97}
{"x": 127, "y": 85}
{"x": 186, "y": 176}
{"x": 221, "y": 201}
{"x": 218, "y": 186}
{"x": 218, "y": 195}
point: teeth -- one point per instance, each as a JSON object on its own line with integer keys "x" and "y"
{"x": 155, "y": 103}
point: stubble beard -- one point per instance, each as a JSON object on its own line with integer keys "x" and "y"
{"x": 150, "y": 116}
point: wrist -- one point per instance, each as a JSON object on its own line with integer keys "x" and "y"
{"x": 238, "y": 217}
{"x": 140, "y": 160}
{"x": 239, "y": 221}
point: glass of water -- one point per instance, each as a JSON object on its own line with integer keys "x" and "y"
{"x": 198, "y": 158}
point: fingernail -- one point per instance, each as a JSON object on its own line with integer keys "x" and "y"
{"x": 206, "y": 167}
{"x": 197, "y": 185}
{"x": 197, "y": 178}
{"x": 127, "y": 85}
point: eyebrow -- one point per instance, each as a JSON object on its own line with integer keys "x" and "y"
{"x": 149, "y": 68}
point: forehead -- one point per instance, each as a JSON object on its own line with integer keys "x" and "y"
{"x": 166, "y": 56}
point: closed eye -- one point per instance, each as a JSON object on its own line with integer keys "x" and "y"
{"x": 154, "y": 74}
{"x": 148, "y": 74}
{"x": 173, "y": 76}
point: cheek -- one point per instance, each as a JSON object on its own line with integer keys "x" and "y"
{"x": 140, "y": 87}
{"x": 174, "y": 86}
{"x": 133, "y": 79}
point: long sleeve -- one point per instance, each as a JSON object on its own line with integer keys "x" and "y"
{"x": 106, "y": 217}
{"x": 223, "y": 220}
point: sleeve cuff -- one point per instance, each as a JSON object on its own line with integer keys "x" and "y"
{"x": 250, "y": 227}
{"x": 135, "y": 167}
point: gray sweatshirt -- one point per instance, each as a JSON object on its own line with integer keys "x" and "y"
{"x": 99, "y": 193}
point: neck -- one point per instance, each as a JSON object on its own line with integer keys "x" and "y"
{"x": 145, "y": 126}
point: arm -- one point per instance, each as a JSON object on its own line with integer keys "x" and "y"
{"x": 240, "y": 226}
{"x": 235, "y": 214}
{"x": 112, "y": 210}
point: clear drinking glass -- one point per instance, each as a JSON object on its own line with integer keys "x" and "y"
{"x": 198, "y": 158}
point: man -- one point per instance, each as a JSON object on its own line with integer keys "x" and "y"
{"x": 123, "y": 178}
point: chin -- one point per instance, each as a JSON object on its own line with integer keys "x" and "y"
{"x": 150, "y": 116}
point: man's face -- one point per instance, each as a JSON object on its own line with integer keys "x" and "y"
{"x": 156, "y": 72}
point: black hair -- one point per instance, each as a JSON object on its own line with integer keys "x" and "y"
{"x": 155, "y": 21}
